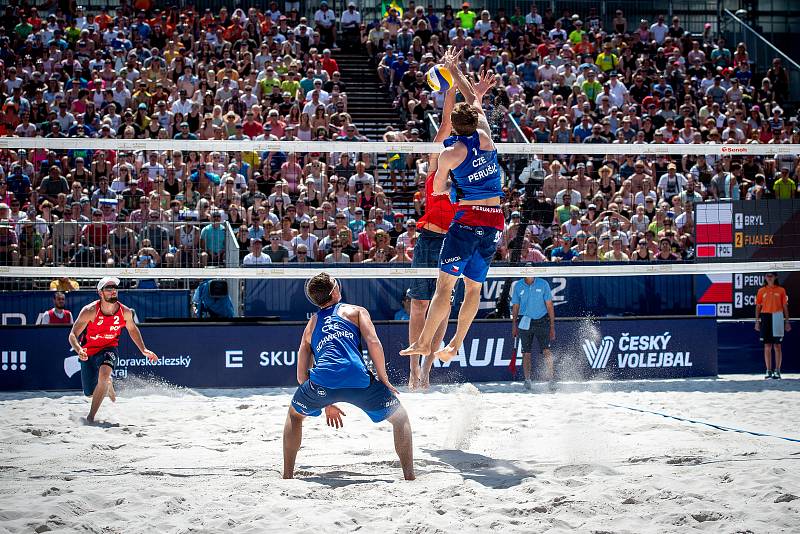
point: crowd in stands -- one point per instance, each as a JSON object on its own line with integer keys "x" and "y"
{"x": 269, "y": 74}
{"x": 570, "y": 78}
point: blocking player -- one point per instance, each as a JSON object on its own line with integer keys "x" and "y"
{"x": 103, "y": 321}
{"x": 472, "y": 238}
{"x": 330, "y": 369}
{"x": 432, "y": 226}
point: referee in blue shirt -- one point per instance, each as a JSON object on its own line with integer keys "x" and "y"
{"x": 533, "y": 316}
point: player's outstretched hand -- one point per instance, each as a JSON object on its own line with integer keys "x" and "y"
{"x": 333, "y": 416}
{"x": 485, "y": 82}
{"x": 150, "y": 355}
{"x": 452, "y": 57}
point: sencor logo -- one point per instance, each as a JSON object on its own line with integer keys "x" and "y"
{"x": 734, "y": 150}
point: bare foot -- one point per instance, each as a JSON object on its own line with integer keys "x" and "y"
{"x": 425, "y": 382}
{"x": 416, "y": 349}
{"x": 111, "y": 393}
{"x": 412, "y": 383}
{"x": 446, "y": 353}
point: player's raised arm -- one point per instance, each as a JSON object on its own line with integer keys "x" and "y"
{"x": 486, "y": 81}
{"x": 304, "y": 354}
{"x": 374, "y": 347}
{"x": 444, "y": 128}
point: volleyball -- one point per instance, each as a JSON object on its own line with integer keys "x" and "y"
{"x": 439, "y": 78}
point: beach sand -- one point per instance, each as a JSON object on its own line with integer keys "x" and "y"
{"x": 487, "y": 457}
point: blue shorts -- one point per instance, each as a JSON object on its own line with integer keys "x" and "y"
{"x": 90, "y": 369}
{"x": 377, "y": 401}
{"x": 426, "y": 254}
{"x": 469, "y": 250}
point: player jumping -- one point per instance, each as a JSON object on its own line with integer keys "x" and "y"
{"x": 332, "y": 344}
{"x": 103, "y": 321}
{"x": 439, "y": 212}
{"x": 471, "y": 240}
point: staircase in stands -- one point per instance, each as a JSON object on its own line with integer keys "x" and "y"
{"x": 370, "y": 106}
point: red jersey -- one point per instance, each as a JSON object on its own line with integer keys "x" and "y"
{"x": 52, "y": 318}
{"x": 103, "y": 331}
{"x": 438, "y": 208}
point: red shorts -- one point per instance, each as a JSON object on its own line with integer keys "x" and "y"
{"x": 491, "y": 216}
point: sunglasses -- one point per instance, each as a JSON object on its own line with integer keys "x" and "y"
{"x": 110, "y": 288}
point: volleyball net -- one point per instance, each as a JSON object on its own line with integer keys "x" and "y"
{"x": 265, "y": 215}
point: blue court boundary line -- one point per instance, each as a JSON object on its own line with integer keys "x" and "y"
{"x": 712, "y": 425}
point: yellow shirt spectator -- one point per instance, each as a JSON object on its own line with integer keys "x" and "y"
{"x": 64, "y": 284}
{"x": 607, "y": 61}
{"x": 784, "y": 187}
{"x": 467, "y": 18}
{"x": 576, "y": 36}
{"x": 291, "y": 86}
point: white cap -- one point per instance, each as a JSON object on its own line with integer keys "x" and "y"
{"x": 107, "y": 280}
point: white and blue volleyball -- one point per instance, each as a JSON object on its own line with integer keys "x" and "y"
{"x": 439, "y": 78}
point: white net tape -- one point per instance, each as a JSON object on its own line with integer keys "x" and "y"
{"x": 399, "y": 148}
{"x": 541, "y": 270}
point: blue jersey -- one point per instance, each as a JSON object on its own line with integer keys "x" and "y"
{"x": 336, "y": 344}
{"x": 478, "y": 176}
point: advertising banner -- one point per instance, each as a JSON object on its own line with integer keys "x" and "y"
{"x": 23, "y": 307}
{"x": 214, "y": 355}
{"x": 573, "y": 297}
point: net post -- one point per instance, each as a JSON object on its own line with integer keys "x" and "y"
{"x": 232, "y": 261}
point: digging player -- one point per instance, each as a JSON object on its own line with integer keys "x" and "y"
{"x": 472, "y": 238}
{"x": 330, "y": 369}
{"x": 103, "y": 321}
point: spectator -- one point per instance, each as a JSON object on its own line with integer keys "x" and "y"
{"x": 616, "y": 253}
{"x": 337, "y": 255}
{"x": 58, "y": 314}
{"x": 276, "y": 251}
{"x": 255, "y": 257}
{"x": 212, "y": 242}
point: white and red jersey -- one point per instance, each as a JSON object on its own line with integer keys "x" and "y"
{"x": 103, "y": 331}
{"x": 51, "y": 316}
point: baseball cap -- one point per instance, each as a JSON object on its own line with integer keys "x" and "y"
{"x": 107, "y": 280}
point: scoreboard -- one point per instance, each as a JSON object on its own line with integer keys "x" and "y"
{"x": 744, "y": 230}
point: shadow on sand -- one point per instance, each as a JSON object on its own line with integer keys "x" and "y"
{"x": 489, "y": 472}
